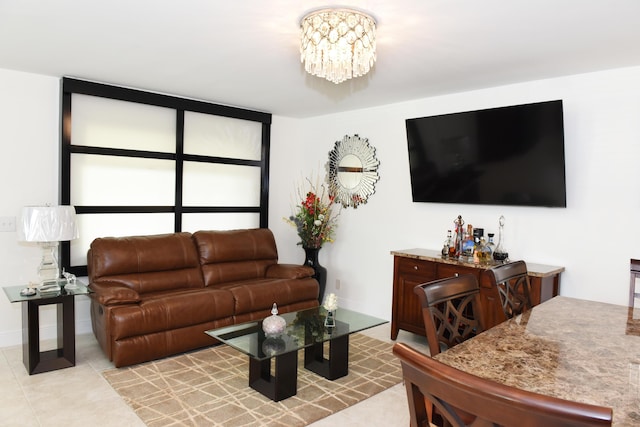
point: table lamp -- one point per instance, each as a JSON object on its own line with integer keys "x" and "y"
{"x": 48, "y": 225}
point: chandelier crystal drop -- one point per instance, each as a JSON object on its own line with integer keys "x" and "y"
{"x": 338, "y": 44}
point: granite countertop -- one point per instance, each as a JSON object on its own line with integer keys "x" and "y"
{"x": 536, "y": 270}
{"x": 573, "y": 349}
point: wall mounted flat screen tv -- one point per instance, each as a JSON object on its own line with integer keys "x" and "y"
{"x": 510, "y": 156}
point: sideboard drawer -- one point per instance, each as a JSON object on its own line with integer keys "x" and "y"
{"x": 416, "y": 267}
{"x": 449, "y": 270}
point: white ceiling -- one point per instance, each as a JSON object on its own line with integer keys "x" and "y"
{"x": 245, "y": 52}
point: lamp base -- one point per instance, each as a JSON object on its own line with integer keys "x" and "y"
{"x": 49, "y": 286}
{"x": 48, "y": 270}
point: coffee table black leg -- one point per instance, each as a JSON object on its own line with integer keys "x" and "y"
{"x": 336, "y": 366}
{"x": 284, "y": 382}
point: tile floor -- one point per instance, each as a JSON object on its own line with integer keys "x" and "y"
{"x": 80, "y": 396}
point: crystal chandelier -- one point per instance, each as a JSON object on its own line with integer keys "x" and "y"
{"x": 338, "y": 44}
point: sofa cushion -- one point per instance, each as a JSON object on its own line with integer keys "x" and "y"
{"x": 289, "y": 271}
{"x": 146, "y": 263}
{"x": 164, "y": 311}
{"x": 259, "y": 295}
{"x": 235, "y": 255}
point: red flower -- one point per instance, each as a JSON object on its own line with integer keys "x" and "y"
{"x": 313, "y": 218}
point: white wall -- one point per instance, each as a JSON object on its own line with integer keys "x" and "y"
{"x": 593, "y": 238}
{"x": 29, "y": 117}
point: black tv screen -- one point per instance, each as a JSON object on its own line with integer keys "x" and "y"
{"x": 500, "y": 156}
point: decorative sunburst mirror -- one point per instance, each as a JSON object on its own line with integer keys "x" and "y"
{"x": 352, "y": 171}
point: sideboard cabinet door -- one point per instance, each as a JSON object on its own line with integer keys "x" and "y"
{"x": 407, "y": 313}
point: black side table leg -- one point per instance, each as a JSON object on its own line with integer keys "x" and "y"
{"x": 65, "y": 355}
{"x": 67, "y": 331}
{"x": 30, "y": 335}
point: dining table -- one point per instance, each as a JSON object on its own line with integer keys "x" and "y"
{"x": 568, "y": 348}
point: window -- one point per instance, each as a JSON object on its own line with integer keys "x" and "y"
{"x": 136, "y": 162}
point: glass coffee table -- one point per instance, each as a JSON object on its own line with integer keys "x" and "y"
{"x": 305, "y": 330}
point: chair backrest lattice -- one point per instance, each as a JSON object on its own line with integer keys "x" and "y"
{"x": 514, "y": 288}
{"x": 451, "y": 311}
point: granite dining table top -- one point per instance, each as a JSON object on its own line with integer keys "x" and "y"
{"x": 568, "y": 348}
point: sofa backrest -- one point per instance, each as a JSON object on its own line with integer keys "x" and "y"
{"x": 235, "y": 255}
{"x": 146, "y": 263}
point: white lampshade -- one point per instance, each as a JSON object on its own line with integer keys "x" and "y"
{"x": 48, "y": 224}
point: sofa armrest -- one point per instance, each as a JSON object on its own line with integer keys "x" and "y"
{"x": 113, "y": 294}
{"x": 289, "y": 271}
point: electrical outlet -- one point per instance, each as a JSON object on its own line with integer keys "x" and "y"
{"x": 337, "y": 284}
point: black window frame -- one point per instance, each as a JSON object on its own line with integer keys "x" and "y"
{"x": 72, "y": 86}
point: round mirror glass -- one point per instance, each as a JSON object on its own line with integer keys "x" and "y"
{"x": 349, "y": 171}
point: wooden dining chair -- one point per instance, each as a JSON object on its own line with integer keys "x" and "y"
{"x": 463, "y": 399}
{"x": 512, "y": 282}
{"x": 451, "y": 311}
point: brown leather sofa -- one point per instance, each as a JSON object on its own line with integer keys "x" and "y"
{"x": 154, "y": 296}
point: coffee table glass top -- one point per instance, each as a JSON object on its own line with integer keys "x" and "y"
{"x": 304, "y": 328}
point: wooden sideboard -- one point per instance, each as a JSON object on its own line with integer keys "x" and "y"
{"x": 412, "y": 267}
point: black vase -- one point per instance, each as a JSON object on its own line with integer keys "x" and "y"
{"x": 320, "y": 273}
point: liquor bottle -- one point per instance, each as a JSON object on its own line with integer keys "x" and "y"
{"x": 478, "y": 233}
{"x": 452, "y": 248}
{"x": 476, "y": 245}
{"x": 468, "y": 244}
{"x": 459, "y": 222}
{"x": 500, "y": 254}
{"x": 490, "y": 244}
{"x": 448, "y": 243}
{"x": 483, "y": 252}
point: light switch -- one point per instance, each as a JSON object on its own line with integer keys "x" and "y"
{"x": 7, "y": 223}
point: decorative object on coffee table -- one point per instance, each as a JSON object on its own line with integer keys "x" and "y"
{"x": 274, "y": 325}
{"x": 331, "y": 305}
{"x": 315, "y": 222}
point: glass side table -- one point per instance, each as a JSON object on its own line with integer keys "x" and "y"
{"x": 64, "y": 356}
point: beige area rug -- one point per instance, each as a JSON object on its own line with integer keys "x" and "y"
{"x": 210, "y": 388}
